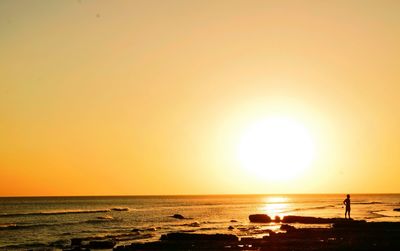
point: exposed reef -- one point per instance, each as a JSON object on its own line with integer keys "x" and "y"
{"x": 342, "y": 235}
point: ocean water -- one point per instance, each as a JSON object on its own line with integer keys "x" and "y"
{"x": 37, "y": 222}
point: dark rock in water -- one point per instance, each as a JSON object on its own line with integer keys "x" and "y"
{"x": 76, "y": 241}
{"x": 287, "y": 228}
{"x": 151, "y": 229}
{"x": 234, "y": 221}
{"x": 76, "y": 249}
{"x": 120, "y": 209}
{"x": 397, "y": 209}
{"x": 103, "y": 244}
{"x": 269, "y": 232}
{"x": 231, "y": 228}
{"x": 198, "y": 237}
{"x": 342, "y": 235}
{"x": 193, "y": 224}
{"x": 312, "y": 220}
{"x": 178, "y": 216}
{"x": 277, "y": 219}
{"x": 135, "y": 230}
{"x": 186, "y": 241}
{"x": 60, "y": 243}
{"x": 259, "y": 218}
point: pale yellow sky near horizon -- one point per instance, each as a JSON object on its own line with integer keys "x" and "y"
{"x": 151, "y": 97}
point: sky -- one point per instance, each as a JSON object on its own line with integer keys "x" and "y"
{"x": 153, "y": 97}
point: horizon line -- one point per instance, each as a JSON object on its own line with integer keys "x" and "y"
{"x": 191, "y": 195}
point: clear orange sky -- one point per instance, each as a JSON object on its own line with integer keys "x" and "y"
{"x": 151, "y": 97}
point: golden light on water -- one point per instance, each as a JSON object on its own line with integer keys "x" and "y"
{"x": 275, "y": 206}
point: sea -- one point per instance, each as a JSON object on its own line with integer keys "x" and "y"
{"x": 38, "y": 223}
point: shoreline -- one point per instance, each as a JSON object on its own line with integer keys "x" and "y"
{"x": 343, "y": 234}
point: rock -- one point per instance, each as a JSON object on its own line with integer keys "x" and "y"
{"x": 343, "y": 235}
{"x": 120, "y": 209}
{"x": 234, "y": 221}
{"x": 367, "y": 226}
{"x": 135, "y": 230}
{"x": 259, "y": 218}
{"x": 105, "y": 217}
{"x": 311, "y": 220}
{"x": 198, "y": 237}
{"x": 231, "y": 228}
{"x": 76, "y": 241}
{"x": 178, "y": 216}
{"x": 60, "y": 243}
{"x": 397, "y": 209}
{"x": 194, "y": 224}
{"x": 103, "y": 244}
{"x": 151, "y": 229}
{"x": 277, "y": 219}
{"x": 248, "y": 239}
{"x": 269, "y": 232}
{"x": 287, "y": 228}
{"x": 76, "y": 249}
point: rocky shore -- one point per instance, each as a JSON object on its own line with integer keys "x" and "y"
{"x": 341, "y": 235}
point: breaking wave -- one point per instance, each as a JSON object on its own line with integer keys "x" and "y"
{"x": 308, "y": 208}
{"x": 13, "y": 226}
{"x": 16, "y": 226}
{"x": 64, "y": 212}
{"x": 367, "y": 203}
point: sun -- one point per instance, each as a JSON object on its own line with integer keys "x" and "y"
{"x": 277, "y": 148}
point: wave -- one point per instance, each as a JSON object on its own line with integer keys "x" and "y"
{"x": 17, "y": 227}
{"x": 101, "y": 220}
{"x": 78, "y": 211}
{"x": 6, "y": 225}
{"x": 367, "y": 203}
{"x": 30, "y": 246}
{"x": 384, "y": 213}
{"x": 308, "y": 208}
{"x": 14, "y": 226}
{"x": 55, "y": 213}
{"x": 377, "y": 213}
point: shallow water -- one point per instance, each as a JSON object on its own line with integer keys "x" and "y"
{"x": 40, "y": 221}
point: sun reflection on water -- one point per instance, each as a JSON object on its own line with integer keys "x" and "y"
{"x": 275, "y": 206}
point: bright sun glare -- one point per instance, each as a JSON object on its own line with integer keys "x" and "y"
{"x": 276, "y": 148}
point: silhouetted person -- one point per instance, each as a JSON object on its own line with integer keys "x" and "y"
{"x": 346, "y": 202}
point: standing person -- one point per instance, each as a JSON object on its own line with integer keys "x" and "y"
{"x": 346, "y": 202}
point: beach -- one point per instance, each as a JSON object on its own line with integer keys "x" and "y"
{"x": 199, "y": 125}
{"x": 135, "y": 222}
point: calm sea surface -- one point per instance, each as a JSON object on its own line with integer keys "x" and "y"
{"x": 35, "y": 222}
